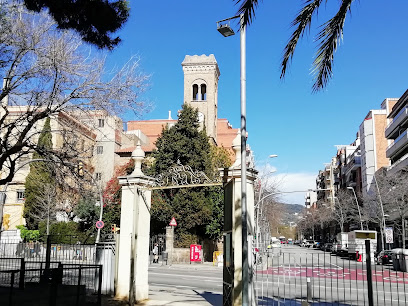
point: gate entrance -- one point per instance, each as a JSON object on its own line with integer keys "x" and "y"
{"x": 160, "y": 240}
{"x": 135, "y": 224}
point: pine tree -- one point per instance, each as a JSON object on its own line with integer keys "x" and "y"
{"x": 41, "y": 174}
{"x": 193, "y": 208}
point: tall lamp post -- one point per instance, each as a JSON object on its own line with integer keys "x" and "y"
{"x": 226, "y": 30}
{"x": 358, "y": 206}
{"x": 382, "y": 210}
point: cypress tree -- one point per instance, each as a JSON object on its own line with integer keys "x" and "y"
{"x": 41, "y": 174}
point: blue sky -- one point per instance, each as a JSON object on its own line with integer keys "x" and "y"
{"x": 284, "y": 117}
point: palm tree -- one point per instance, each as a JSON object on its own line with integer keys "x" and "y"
{"x": 328, "y": 38}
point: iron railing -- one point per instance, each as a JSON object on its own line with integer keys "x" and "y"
{"x": 32, "y": 284}
{"x": 290, "y": 275}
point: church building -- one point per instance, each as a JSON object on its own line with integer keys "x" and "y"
{"x": 201, "y": 74}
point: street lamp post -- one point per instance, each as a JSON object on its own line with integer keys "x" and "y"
{"x": 226, "y": 31}
{"x": 382, "y": 210}
{"x": 358, "y": 206}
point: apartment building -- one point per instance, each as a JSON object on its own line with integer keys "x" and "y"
{"x": 396, "y": 133}
{"x": 355, "y": 165}
{"x": 373, "y": 144}
{"x": 326, "y": 182}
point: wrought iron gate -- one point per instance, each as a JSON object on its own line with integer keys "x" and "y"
{"x": 160, "y": 239}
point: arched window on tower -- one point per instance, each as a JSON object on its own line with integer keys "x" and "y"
{"x": 195, "y": 92}
{"x": 203, "y": 92}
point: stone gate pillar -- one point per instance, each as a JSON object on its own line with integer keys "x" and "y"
{"x": 232, "y": 270}
{"x": 170, "y": 243}
{"x": 132, "y": 275}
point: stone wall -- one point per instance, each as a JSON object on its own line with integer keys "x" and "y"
{"x": 180, "y": 255}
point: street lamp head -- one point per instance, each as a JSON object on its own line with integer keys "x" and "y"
{"x": 273, "y": 155}
{"x": 225, "y": 29}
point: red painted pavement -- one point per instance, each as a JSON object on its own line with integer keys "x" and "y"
{"x": 338, "y": 273}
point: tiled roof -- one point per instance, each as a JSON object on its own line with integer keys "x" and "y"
{"x": 153, "y": 129}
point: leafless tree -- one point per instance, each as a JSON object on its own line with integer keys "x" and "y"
{"x": 393, "y": 190}
{"x": 268, "y": 211}
{"x": 45, "y": 206}
{"x": 345, "y": 208}
{"x": 48, "y": 73}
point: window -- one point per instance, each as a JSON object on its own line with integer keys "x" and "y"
{"x": 203, "y": 92}
{"x": 20, "y": 195}
{"x": 99, "y": 150}
{"x": 195, "y": 91}
{"x": 101, "y": 123}
{"x": 98, "y": 176}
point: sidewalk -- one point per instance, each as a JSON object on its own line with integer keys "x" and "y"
{"x": 192, "y": 266}
{"x": 175, "y": 296}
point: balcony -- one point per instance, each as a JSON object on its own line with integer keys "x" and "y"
{"x": 398, "y": 146}
{"x": 398, "y": 122}
{"x": 353, "y": 162}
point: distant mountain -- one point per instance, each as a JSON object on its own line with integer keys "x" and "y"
{"x": 291, "y": 213}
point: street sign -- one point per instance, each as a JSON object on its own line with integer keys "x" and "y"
{"x": 99, "y": 224}
{"x": 195, "y": 252}
{"x": 173, "y": 222}
{"x": 389, "y": 236}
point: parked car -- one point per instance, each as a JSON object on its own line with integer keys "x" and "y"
{"x": 384, "y": 257}
{"x": 307, "y": 243}
{"x": 304, "y": 243}
{"x": 327, "y": 247}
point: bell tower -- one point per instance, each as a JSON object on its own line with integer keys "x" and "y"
{"x": 201, "y": 74}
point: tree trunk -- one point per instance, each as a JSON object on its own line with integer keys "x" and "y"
{"x": 403, "y": 232}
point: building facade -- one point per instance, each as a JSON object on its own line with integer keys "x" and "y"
{"x": 396, "y": 133}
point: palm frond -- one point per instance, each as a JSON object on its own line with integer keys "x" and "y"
{"x": 247, "y": 8}
{"x": 302, "y": 22}
{"x": 329, "y": 39}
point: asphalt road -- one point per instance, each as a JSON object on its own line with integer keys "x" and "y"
{"x": 184, "y": 277}
{"x": 283, "y": 279}
{"x": 286, "y": 273}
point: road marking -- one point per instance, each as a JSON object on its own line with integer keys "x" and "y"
{"x": 340, "y": 268}
{"x": 339, "y": 288}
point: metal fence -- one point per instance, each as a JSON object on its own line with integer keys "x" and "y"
{"x": 36, "y": 251}
{"x": 23, "y": 263}
{"x": 292, "y": 275}
{"x": 30, "y": 283}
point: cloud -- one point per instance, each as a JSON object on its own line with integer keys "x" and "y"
{"x": 288, "y": 182}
